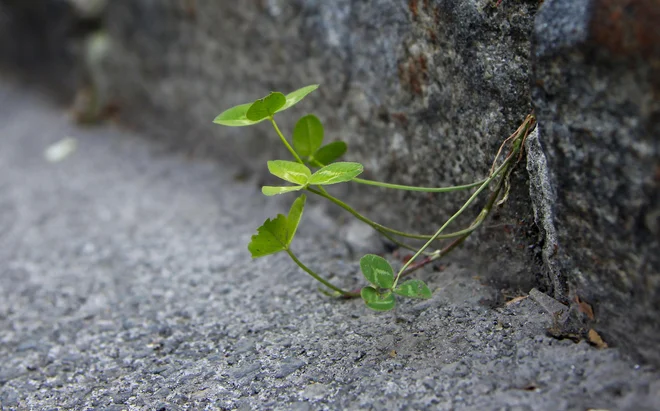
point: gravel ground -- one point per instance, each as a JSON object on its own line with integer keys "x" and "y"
{"x": 126, "y": 284}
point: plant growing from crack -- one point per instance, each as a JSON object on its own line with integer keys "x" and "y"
{"x": 308, "y": 151}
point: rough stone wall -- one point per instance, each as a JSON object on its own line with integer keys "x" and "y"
{"x": 424, "y": 91}
{"x": 34, "y": 44}
{"x": 597, "y": 89}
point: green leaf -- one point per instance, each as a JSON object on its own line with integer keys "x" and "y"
{"x": 266, "y": 107}
{"x": 330, "y": 152}
{"x": 308, "y": 135}
{"x": 376, "y": 301}
{"x": 235, "y": 117}
{"x": 293, "y": 219}
{"x": 294, "y": 97}
{"x": 272, "y": 191}
{"x": 414, "y": 289}
{"x": 336, "y": 173}
{"x": 290, "y": 171}
{"x": 271, "y": 237}
{"x": 257, "y": 111}
{"x": 377, "y": 271}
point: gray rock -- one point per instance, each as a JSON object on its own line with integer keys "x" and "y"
{"x": 424, "y": 91}
{"x": 169, "y": 239}
{"x": 596, "y": 91}
{"x": 288, "y": 367}
{"x": 38, "y": 44}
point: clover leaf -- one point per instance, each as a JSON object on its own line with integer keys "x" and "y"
{"x": 376, "y": 300}
{"x": 377, "y": 271}
{"x": 336, "y": 173}
{"x": 259, "y": 110}
{"x": 413, "y": 289}
{"x": 276, "y": 235}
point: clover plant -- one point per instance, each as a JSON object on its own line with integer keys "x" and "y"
{"x": 316, "y": 166}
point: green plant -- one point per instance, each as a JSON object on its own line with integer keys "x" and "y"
{"x": 276, "y": 235}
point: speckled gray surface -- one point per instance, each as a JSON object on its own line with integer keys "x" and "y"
{"x": 423, "y": 91}
{"x": 125, "y": 284}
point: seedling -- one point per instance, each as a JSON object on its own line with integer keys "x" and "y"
{"x": 316, "y": 165}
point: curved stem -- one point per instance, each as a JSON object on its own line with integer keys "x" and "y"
{"x": 413, "y": 188}
{"x": 475, "y": 224}
{"x": 518, "y": 142}
{"x": 408, "y": 188}
{"x": 452, "y": 218}
{"x": 384, "y": 231}
{"x": 286, "y": 143}
{"x": 381, "y": 228}
{"x": 318, "y": 277}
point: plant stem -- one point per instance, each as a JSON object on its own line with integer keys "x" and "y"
{"x": 409, "y": 188}
{"x": 475, "y": 224}
{"x": 518, "y": 141}
{"x": 381, "y": 228}
{"x": 286, "y": 143}
{"x": 384, "y": 231}
{"x": 414, "y": 188}
{"x": 318, "y": 277}
{"x": 452, "y": 218}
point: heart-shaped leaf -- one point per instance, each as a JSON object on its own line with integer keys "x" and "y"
{"x": 266, "y": 107}
{"x": 330, "y": 152}
{"x": 293, "y": 219}
{"x": 413, "y": 289}
{"x": 294, "y": 97}
{"x": 276, "y": 235}
{"x": 290, "y": 171}
{"x": 377, "y": 301}
{"x": 377, "y": 271}
{"x": 336, "y": 173}
{"x": 238, "y": 116}
{"x": 235, "y": 117}
{"x": 273, "y": 191}
{"x": 308, "y": 135}
{"x": 271, "y": 237}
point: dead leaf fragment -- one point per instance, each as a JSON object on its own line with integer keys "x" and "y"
{"x": 515, "y": 300}
{"x": 596, "y": 340}
{"x": 584, "y": 308}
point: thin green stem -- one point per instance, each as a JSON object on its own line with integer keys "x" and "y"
{"x": 452, "y": 218}
{"x": 475, "y": 224}
{"x": 381, "y": 228}
{"x": 384, "y": 231}
{"x": 318, "y": 277}
{"x": 518, "y": 138}
{"x": 413, "y": 188}
{"x": 286, "y": 143}
{"x": 408, "y": 188}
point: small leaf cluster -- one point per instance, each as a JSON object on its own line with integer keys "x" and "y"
{"x": 262, "y": 109}
{"x": 302, "y": 177}
{"x": 308, "y": 140}
{"x": 379, "y": 295}
{"x": 276, "y": 235}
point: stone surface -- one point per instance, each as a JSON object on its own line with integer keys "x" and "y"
{"x": 37, "y": 44}
{"x": 424, "y": 91}
{"x": 125, "y": 283}
{"x": 597, "y": 98}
